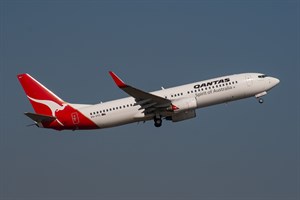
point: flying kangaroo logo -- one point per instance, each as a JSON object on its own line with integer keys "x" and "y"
{"x": 54, "y": 107}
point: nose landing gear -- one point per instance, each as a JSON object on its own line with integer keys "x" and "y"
{"x": 260, "y": 100}
{"x": 258, "y": 96}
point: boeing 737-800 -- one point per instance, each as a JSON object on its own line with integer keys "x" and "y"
{"x": 175, "y": 104}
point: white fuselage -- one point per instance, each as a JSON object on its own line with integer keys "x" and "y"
{"x": 205, "y": 93}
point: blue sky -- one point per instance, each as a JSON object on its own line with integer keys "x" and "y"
{"x": 241, "y": 150}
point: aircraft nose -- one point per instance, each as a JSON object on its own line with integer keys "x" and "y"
{"x": 277, "y": 81}
{"x": 274, "y": 81}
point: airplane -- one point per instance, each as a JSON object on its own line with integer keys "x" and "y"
{"x": 175, "y": 104}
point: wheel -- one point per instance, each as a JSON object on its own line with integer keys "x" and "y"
{"x": 260, "y": 100}
{"x": 157, "y": 122}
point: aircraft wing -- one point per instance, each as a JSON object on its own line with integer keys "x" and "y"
{"x": 147, "y": 101}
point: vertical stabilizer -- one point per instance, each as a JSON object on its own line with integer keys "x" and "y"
{"x": 42, "y": 99}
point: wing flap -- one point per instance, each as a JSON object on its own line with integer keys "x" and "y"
{"x": 147, "y": 106}
{"x": 143, "y": 102}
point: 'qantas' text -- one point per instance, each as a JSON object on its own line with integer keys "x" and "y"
{"x": 216, "y": 82}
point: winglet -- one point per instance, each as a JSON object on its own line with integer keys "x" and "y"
{"x": 117, "y": 80}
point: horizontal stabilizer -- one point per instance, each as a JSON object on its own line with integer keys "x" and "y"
{"x": 40, "y": 118}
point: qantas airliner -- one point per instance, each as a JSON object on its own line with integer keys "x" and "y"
{"x": 175, "y": 104}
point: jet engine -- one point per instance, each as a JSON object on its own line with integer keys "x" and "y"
{"x": 183, "y": 109}
{"x": 181, "y": 105}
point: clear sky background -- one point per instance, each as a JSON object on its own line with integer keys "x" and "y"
{"x": 236, "y": 151}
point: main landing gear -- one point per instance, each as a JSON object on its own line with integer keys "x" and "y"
{"x": 157, "y": 121}
{"x": 260, "y": 100}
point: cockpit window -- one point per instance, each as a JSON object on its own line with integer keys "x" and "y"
{"x": 262, "y": 76}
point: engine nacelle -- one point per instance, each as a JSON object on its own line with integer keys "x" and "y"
{"x": 183, "y": 109}
{"x": 184, "y": 115}
{"x": 184, "y": 104}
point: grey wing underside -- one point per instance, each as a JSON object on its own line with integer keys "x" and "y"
{"x": 150, "y": 103}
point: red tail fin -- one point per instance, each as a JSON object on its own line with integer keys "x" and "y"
{"x": 42, "y": 100}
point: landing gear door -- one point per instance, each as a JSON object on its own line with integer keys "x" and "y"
{"x": 249, "y": 80}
